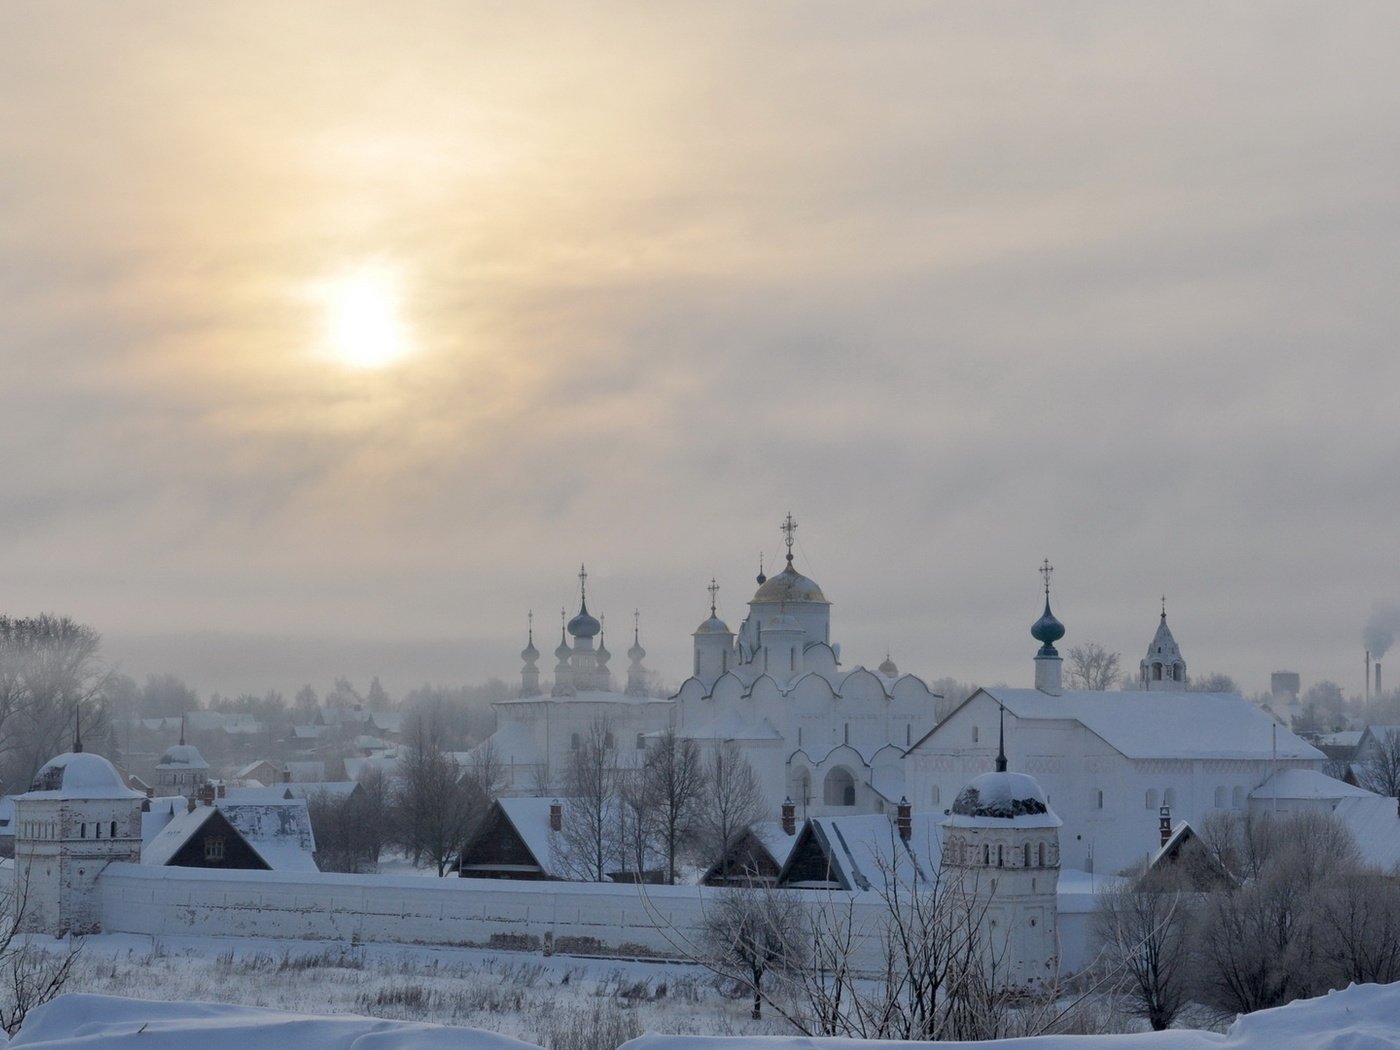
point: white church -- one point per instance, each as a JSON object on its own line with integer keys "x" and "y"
{"x": 1112, "y": 762}
{"x": 830, "y": 738}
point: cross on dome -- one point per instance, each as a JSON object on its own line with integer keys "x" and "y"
{"x": 582, "y": 583}
{"x": 789, "y": 527}
{"x": 1045, "y": 570}
{"x": 714, "y": 590}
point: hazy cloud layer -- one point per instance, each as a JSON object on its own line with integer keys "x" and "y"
{"x": 962, "y": 286}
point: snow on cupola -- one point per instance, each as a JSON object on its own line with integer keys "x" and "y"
{"x": 182, "y": 768}
{"x": 1163, "y": 667}
{"x": 784, "y": 603}
{"x": 1047, "y": 630}
{"x": 714, "y": 644}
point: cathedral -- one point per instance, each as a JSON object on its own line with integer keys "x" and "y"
{"x": 829, "y": 738}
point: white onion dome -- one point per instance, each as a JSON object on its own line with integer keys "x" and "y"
{"x": 182, "y": 756}
{"x": 584, "y": 625}
{"x": 788, "y": 586}
{"x": 78, "y": 775}
{"x": 889, "y": 668}
{"x": 993, "y": 798}
{"x": 714, "y": 625}
{"x": 602, "y": 655}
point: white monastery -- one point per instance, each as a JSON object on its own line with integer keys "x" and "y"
{"x": 1112, "y": 762}
{"x": 829, "y": 738}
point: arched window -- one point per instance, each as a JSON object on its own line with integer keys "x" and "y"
{"x": 1237, "y": 798}
{"x": 82, "y": 830}
{"x": 1220, "y": 797}
{"x": 97, "y": 830}
{"x": 1156, "y": 672}
{"x": 839, "y": 788}
{"x": 1151, "y": 798}
{"x": 1178, "y": 673}
{"x": 1001, "y": 856}
{"x": 114, "y": 829}
{"x": 1026, "y": 855}
{"x": 987, "y": 856}
{"x": 1040, "y": 855}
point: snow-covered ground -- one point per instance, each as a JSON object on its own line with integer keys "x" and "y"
{"x": 329, "y": 996}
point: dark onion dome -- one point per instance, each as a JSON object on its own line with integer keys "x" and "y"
{"x": 636, "y": 653}
{"x": 583, "y": 625}
{"x": 603, "y": 656}
{"x": 789, "y": 586}
{"x": 562, "y": 650}
{"x": 80, "y": 774}
{"x": 889, "y": 668}
{"x": 530, "y": 654}
{"x": 182, "y": 756}
{"x": 1047, "y": 630}
{"x": 1004, "y": 796}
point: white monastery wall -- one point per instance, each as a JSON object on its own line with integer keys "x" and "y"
{"x": 663, "y": 920}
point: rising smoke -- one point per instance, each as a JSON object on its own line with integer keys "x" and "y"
{"x": 1381, "y": 629}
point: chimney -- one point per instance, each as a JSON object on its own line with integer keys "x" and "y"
{"x": 1366, "y": 678}
{"x": 904, "y": 819}
{"x": 556, "y": 816}
{"x": 222, "y": 790}
{"x": 1378, "y": 679}
{"x": 206, "y": 794}
{"x": 1164, "y": 823}
{"x": 286, "y": 776}
{"x": 150, "y": 792}
{"x": 189, "y": 804}
{"x": 789, "y": 817}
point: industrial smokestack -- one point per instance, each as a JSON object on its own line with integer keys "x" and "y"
{"x": 1366, "y": 678}
{"x": 1378, "y": 679}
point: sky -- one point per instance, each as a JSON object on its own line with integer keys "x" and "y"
{"x": 336, "y": 336}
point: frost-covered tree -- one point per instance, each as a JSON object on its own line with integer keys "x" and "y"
{"x": 1091, "y": 666}
{"x": 592, "y": 836}
{"x": 1141, "y": 928}
{"x": 732, "y": 800}
{"x": 1381, "y": 772}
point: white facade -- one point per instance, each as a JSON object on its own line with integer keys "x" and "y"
{"x": 831, "y": 739}
{"x": 76, "y": 818}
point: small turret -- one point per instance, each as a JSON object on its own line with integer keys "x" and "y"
{"x": 636, "y": 673}
{"x": 1163, "y": 667}
{"x": 1047, "y": 630}
{"x": 530, "y": 673}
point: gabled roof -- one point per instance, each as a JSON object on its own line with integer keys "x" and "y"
{"x": 862, "y": 852}
{"x": 180, "y": 829}
{"x": 280, "y": 830}
{"x": 1307, "y": 784}
{"x": 1164, "y": 724}
{"x": 767, "y": 836}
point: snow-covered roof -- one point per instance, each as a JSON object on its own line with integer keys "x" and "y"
{"x": 775, "y": 840}
{"x": 162, "y": 811}
{"x": 182, "y": 756}
{"x": 584, "y": 696}
{"x": 1002, "y": 799}
{"x": 280, "y": 830}
{"x": 1344, "y": 738}
{"x": 1164, "y": 724}
{"x": 1307, "y": 784}
{"x": 162, "y": 848}
{"x": 530, "y": 818}
{"x": 1375, "y": 822}
{"x": 731, "y": 725}
{"x": 78, "y": 775}
{"x": 864, "y": 851}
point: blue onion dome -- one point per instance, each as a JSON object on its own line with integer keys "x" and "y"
{"x": 1001, "y": 796}
{"x": 584, "y": 625}
{"x": 1047, "y": 630}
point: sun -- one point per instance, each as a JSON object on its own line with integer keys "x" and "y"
{"x": 363, "y": 324}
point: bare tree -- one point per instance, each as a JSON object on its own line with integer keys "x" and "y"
{"x": 1141, "y": 928}
{"x": 48, "y": 671}
{"x": 1261, "y": 940}
{"x": 30, "y": 975}
{"x": 732, "y": 801}
{"x": 590, "y": 841}
{"x": 436, "y": 803}
{"x": 673, "y": 781}
{"x": 1091, "y": 666}
{"x": 1359, "y": 916}
{"x": 752, "y": 931}
{"x": 1381, "y": 771}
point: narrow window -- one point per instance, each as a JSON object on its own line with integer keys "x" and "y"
{"x": 573, "y": 741}
{"x": 1100, "y": 800}
{"x": 1040, "y": 858}
{"x": 799, "y": 736}
{"x": 846, "y": 733}
{"x": 82, "y": 830}
{"x": 641, "y": 742}
{"x": 97, "y": 831}
{"x": 1001, "y": 857}
{"x": 974, "y": 734}
{"x": 987, "y": 856}
{"x": 114, "y": 829}
{"x": 908, "y": 734}
{"x": 935, "y": 794}
{"x": 1026, "y": 855}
